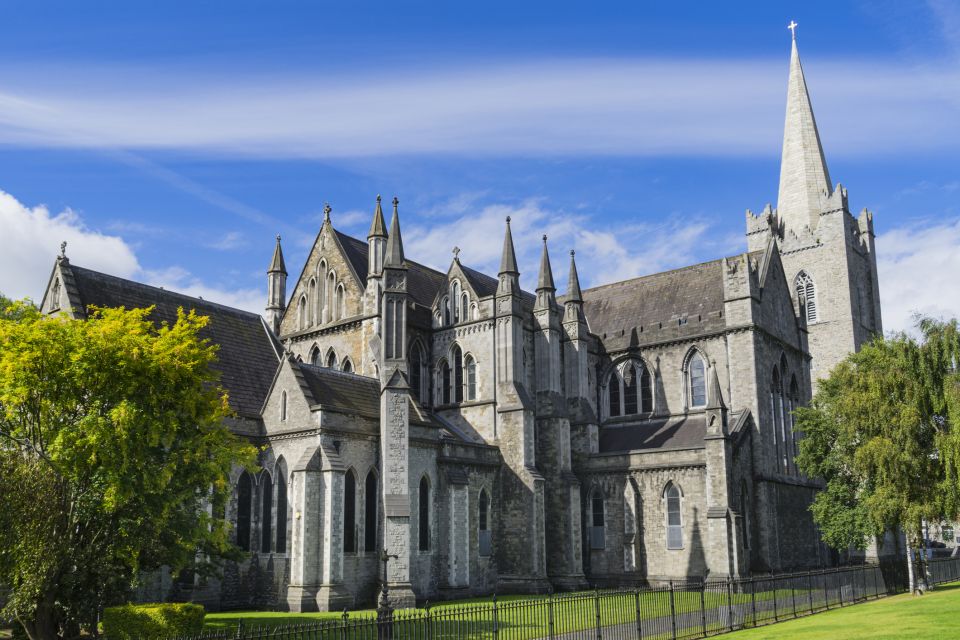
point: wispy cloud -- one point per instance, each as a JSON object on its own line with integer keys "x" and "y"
{"x": 565, "y": 106}
{"x": 229, "y": 241}
{"x": 918, "y": 266}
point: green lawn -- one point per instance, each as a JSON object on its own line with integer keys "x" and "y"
{"x": 934, "y": 615}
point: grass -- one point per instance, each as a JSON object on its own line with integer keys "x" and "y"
{"x": 931, "y": 616}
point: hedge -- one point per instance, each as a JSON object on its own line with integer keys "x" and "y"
{"x": 132, "y": 621}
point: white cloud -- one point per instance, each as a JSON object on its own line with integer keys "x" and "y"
{"x": 560, "y": 106}
{"x": 229, "y": 241}
{"x": 918, "y": 272}
{"x": 603, "y": 254}
{"x": 31, "y": 237}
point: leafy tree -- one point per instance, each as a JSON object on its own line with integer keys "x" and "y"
{"x": 111, "y": 443}
{"x": 881, "y": 433}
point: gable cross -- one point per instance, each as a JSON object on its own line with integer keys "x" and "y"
{"x": 456, "y": 253}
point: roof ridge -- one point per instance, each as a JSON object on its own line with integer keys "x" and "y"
{"x": 660, "y": 273}
{"x": 170, "y": 292}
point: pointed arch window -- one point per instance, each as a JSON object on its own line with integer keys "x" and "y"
{"x": 697, "y": 381}
{"x": 483, "y": 524}
{"x": 598, "y": 533}
{"x": 807, "y": 295}
{"x": 629, "y": 390}
{"x": 321, "y": 292}
{"x": 457, "y": 374}
{"x": 283, "y": 406}
{"x": 329, "y": 296}
{"x": 776, "y": 419}
{"x": 332, "y": 359}
{"x": 244, "y": 495}
{"x": 302, "y": 313}
{"x": 315, "y": 355}
{"x": 424, "y": 515}
{"x": 341, "y": 303}
{"x": 457, "y": 317}
{"x": 464, "y": 307}
{"x": 445, "y": 307}
{"x": 349, "y": 512}
{"x": 370, "y": 515}
{"x": 470, "y": 376}
{"x": 347, "y": 366}
{"x": 266, "y": 512}
{"x": 312, "y": 302}
{"x": 281, "y": 545}
{"x": 416, "y": 372}
{"x": 443, "y": 382}
{"x": 674, "y": 517}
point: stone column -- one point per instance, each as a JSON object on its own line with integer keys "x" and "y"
{"x": 305, "y": 533}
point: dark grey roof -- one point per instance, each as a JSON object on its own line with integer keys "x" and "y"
{"x": 346, "y": 392}
{"x": 613, "y": 311}
{"x": 247, "y": 356}
{"x": 683, "y": 432}
{"x": 483, "y": 284}
{"x": 422, "y": 282}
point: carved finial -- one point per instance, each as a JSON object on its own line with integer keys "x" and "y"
{"x": 544, "y": 238}
{"x": 396, "y": 201}
{"x": 508, "y": 219}
{"x": 572, "y": 253}
{"x": 278, "y": 237}
{"x": 326, "y": 211}
{"x": 378, "y": 197}
{"x": 456, "y": 253}
{"x": 63, "y": 249}
{"x": 793, "y": 29}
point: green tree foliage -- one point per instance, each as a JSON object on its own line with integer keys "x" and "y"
{"x": 111, "y": 441}
{"x": 882, "y": 432}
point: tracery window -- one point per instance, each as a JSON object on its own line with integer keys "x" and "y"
{"x": 630, "y": 390}
{"x": 807, "y": 295}
{"x": 424, "y": 513}
{"x": 597, "y": 525}
{"x": 697, "y": 380}
{"x": 244, "y": 495}
{"x": 458, "y": 374}
{"x": 281, "y": 545}
{"x": 266, "y": 511}
{"x": 483, "y": 524}
{"x": 349, "y": 512}
{"x": 470, "y": 377}
{"x": 674, "y": 517}
{"x": 416, "y": 371}
{"x": 370, "y": 516}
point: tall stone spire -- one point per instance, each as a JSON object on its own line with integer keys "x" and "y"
{"x": 804, "y": 179}
{"x": 276, "y": 288}
{"x": 715, "y": 401}
{"x": 508, "y": 260}
{"x": 378, "y": 229}
{"x": 545, "y": 280}
{"x": 394, "y": 257}
{"x": 573, "y": 284}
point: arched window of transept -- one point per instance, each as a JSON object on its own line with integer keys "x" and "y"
{"x": 671, "y": 496}
{"x": 629, "y": 390}
{"x": 457, "y": 374}
{"x": 347, "y": 366}
{"x": 470, "y": 376}
{"x": 322, "y": 292}
{"x": 281, "y": 545}
{"x": 483, "y": 524}
{"x": 443, "y": 382}
{"x": 464, "y": 306}
{"x": 315, "y": 355}
{"x": 474, "y": 311}
{"x": 341, "y": 303}
{"x": 329, "y": 298}
{"x": 283, "y": 406}
{"x": 312, "y": 302}
{"x": 456, "y": 307}
{"x": 697, "y": 380}
{"x": 416, "y": 371}
{"x": 349, "y": 512}
{"x": 302, "y": 313}
{"x": 370, "y": 514}
{"x": 332, "y": 359}
{"x": 646, "y": 391}
{"x": 424, "y": 513}
{"x": 745, "y": 513}
{"x": 244, "y": 496}
{"x": 266, "y": 511}
{"x": 807, "y": 295}
{"x": 776, "y": 418}
{"x": 445, "y": 307}
{"x": 598, "y": 532}
{"x": 613, "y": 392}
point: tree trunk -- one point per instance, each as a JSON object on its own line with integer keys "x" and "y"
{"x": 910, "y": 573}
{"x": 45, "y": 624}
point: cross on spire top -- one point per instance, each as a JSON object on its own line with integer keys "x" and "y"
{"x": 793, "y": 28}
{"x": 456, "y": 253}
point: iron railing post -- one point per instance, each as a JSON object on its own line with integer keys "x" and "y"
{"x": 753, "y": 599}
{"x": 636, "y": 594}
{"x": 810, "y": 589}
{"x": 703, "y": 606}
{"x": 343, "y": 624}
{"x": 730, "y": 603}
{"x": 496, "y": 621}
{"x": 673, "y": 613}
{"x": 596, "y": 599}
{"x": 550, "y": 613}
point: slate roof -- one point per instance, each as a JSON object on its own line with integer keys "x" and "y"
{"x": 347, "y": 392}
{"x": 618, "y": 308}
{"x": 248, "y": 353}
{"x": 483, "y": 284}
{"x": 422, "y": 281}
{"x": 682, "y": 432}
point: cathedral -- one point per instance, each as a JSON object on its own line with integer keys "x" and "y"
{"x": 456, "y": 435}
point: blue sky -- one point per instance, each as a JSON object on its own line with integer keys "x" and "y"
{"x": 169, "y": 142}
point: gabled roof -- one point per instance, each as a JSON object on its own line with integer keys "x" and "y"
{"x": 681, "y": 432}
{"x": 482, "y": 284}
{"x": 662, "y": 297}
{"x": 248, "y": 352}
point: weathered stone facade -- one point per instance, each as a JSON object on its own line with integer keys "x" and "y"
{"x": 489, "y": 439}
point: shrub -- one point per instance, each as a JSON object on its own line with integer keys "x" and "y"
{"x": 131, "y": 621}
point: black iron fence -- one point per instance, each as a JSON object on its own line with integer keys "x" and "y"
{"x": 677, "y": 610}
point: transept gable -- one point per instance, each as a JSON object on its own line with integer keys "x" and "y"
{"x": 775, "y": 310}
